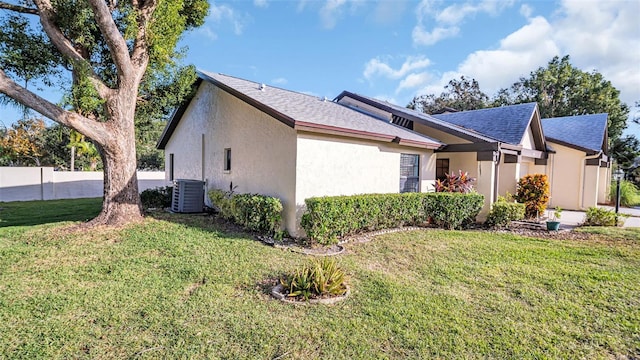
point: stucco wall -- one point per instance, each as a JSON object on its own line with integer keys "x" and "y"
{"x": 263, "y": 150}
{"x": 332, "y": 165}
{"x": 604, "y": 184}
{"x": 566, "y": 181}
{"x": 43, "y": 183}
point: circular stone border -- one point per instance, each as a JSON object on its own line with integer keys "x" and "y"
{"x": 277, "y": 292}
{"x": 311, "y": 251}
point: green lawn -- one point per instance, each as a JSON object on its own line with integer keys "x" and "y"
{"x": 177, "y": 287}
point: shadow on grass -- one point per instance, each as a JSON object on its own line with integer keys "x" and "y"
{"x": 28, "y": 213}
{"x": 203, "y": 221}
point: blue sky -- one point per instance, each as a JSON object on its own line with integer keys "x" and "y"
{"x": 394, "y": 50}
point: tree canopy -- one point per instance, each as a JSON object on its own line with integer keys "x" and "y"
{"x": 118, "y": 64}
{"x": 463, "y": 94}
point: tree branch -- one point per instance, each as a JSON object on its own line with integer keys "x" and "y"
{"x": 18, "y": 8}
{"x": 140, "y": 55}
{"x": 115, "y": 41}
{"x": 65, "y": 46}
{"x": 91, "y": 128}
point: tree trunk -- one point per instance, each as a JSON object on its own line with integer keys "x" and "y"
{"x": 121, "y": 202}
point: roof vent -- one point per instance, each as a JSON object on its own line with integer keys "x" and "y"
{"x": 262, "y": 87}
{"x": 324, "y": 99}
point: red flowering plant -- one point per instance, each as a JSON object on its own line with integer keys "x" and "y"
{"x": 460, "y": 183}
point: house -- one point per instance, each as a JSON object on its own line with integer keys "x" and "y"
{"x": 581, "y": 170}
{"x": 254, "y": 138}
{"x": 243, "y": 135}
{"x": 497, "y": 146}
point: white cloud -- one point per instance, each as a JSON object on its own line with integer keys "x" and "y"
{"x": 423, "y": 37}
{"x": 526, "y": 10}
{"x": 446, "y": 21}
{"x": 261, "y": 3}
{"x": 221, "y": 15}
{"x": 330, "y": 12}
{"x": 601, "y": 36}
{"x": 378, "y": 67}
{"x": 279, "y": 81}
{"x": 413, "y": 81}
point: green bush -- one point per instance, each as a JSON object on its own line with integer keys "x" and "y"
{"x": 328, "y": 218}
{"x": 504, "y": 212}
{"x": 596, "y": 216}
{"x": 316, "y": 279}
{"x": 533, "y": 192}
{"x": 629, "y": 193}
{"x": 159, "y": 197}
{"x": 252, "y": 211}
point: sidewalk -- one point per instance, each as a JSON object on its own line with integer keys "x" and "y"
{"x": 573, "y": 218}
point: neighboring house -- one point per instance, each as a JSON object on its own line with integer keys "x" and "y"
{"x": 497, "y": 146}
{"x": 581, "y": 166}
{"x": 254, "y": 138}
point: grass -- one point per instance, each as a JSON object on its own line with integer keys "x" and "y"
{"x": 178, "y": 287}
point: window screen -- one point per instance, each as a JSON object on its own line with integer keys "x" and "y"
{"x": 409, "y": 173}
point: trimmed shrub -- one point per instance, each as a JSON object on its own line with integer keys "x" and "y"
{"x": 503, "y": 212}
{"x": 317, "y": 279}
{"x": 533, "y": 192}
{"x": 254, "y": 212}
{"x": 596, "y": 216}
{"x": 159, "y": 197}
{"x": 328, "y": 218}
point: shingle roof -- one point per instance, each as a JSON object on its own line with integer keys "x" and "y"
{"x": 584, "y": 132}
{"x": 430, "y": 120}
{"x": 310, "y": 112}
{"x": 506, "y": 124}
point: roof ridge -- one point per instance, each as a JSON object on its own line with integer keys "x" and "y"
{"x": 265, "y": 84}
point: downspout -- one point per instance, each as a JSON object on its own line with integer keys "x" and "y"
{"x": 583, "y": 173}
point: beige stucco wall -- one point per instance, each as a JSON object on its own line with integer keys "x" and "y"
{"x": 330, "y": 165}
{"x": 604, "y": 184}
{"x": 263, "y": 150}
{"x": 570, "y": 176}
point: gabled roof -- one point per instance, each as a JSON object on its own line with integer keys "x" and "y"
{"x": 587, "y": 133}
{"x": 506, "y": 124}
{"x": 419, "y": 117}
{"x": 307, "y": 113}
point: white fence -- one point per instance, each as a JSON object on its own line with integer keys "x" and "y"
{"x": 42, "y": 183}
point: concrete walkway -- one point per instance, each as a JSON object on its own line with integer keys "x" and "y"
{"x": 573, "y": 218}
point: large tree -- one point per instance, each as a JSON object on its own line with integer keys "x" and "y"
{"x": 117, "y": 53}
{"x": 561, "y": 89}
{"x": 459, "y": 95}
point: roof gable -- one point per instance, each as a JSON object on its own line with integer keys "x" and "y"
{"x": 507, "y": 124}
{"x": 306, "y": 112}
{"x": 417, "y": 116}
{"x": 583, "y": 132}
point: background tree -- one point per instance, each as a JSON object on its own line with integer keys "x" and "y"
{"x": 463, "y": 94}
{"x": 23, "y": 143}
{"x": 117, "y": 52}
{"x": 561, "y": 89}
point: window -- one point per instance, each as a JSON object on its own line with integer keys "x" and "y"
{"x": 409, "y": 173}
{"x": 170, "y": 167}
{"x": 227, "y": 159}
{"x": 442, "y": 168}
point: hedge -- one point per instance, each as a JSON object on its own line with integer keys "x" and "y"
{"x": 503, "y": 212}
{"x": 328, "y": 218}
{"x": 254, "y": 212}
